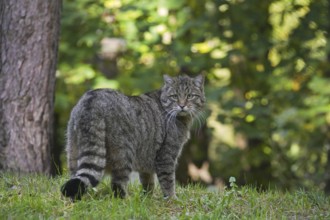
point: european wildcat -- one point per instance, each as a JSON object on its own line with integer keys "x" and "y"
{"x": 110, "y": 131}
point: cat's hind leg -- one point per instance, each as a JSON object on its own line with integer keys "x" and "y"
{"x": 121, "y": 167}
{"x": 119, "y": 182}
{"x": 148, "y": 181}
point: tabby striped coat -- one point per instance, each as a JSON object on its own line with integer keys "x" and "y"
{"x": 109, "y": 131}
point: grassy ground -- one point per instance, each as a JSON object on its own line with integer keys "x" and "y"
{"x": 37, "y": 197}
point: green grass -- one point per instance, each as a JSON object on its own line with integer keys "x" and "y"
{"x": 38, "y": 197}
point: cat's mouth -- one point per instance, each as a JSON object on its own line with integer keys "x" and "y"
{"x": 183, "y": 113}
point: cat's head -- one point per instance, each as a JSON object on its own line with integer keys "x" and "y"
{"x": 183, "y": 95}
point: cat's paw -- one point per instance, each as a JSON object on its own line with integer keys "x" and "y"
{"x": 172, "y": 197}
{"x": 74, "y": 189}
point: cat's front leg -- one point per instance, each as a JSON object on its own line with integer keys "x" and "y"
{"x": 165, "y": 170}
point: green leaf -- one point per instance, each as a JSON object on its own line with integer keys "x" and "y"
{"x": 171, "y": 4}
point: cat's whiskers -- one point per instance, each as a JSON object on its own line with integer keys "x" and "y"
{"x": 191, "y": 113}
{"x": 200, "y": 117}
{"x": 170, "y": 115}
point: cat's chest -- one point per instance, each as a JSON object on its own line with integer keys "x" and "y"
{"x": 177, "y": 137}
{"x": 181, "y": 131}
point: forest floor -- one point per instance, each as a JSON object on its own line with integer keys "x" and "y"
{"x": 38, "y": 197}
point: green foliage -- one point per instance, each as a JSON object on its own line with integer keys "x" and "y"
{"x": 38, "y": 197}
{"x": 267, "y": 68}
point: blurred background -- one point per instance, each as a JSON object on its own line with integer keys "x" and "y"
{"x": 267, "y": 68}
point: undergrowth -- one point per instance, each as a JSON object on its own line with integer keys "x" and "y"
{"x": 38, "y": 197}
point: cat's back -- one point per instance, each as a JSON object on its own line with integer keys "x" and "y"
{"x": 100, "y": 103}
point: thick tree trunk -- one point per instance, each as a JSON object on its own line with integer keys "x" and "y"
{"x": 29, "y": 42}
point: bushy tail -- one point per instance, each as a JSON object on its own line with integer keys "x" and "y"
{"x": 86, "y": 156}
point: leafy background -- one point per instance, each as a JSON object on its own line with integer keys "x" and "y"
{"x": 267, "y": 67}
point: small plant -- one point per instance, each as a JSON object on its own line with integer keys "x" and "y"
{"x": 234, "y": 189}
{"x": 231, "y": 193}
{"x": 232, "y": 183}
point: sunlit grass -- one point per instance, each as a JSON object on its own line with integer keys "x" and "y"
{"x": 38, "y": 197}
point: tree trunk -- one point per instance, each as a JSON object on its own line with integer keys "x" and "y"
{"x": 29, "y": 42}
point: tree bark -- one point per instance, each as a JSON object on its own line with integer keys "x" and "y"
{"x": 29, "y": 43}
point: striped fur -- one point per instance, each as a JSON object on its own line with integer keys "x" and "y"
{"x": 111, "y": 131}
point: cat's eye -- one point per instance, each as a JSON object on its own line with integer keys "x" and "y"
{"x": 191, "y": 96}
{"x": 174, "y": 97}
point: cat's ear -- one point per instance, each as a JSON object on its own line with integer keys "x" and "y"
{"x": 199, "y": 80}
{"x": 167, "y": 79}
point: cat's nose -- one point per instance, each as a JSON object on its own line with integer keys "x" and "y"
{"x": 182, "y": 106}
